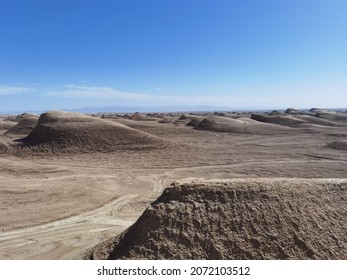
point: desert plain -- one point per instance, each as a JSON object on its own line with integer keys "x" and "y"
{"x": 213, "y": 185}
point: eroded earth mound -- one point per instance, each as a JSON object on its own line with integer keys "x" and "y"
{"x": 277, "y": 119}
{"x": 24, "y": 126}
{"x": 59, "y": 131}
{"x": 239, "y": 219}
{"x": 332, "y": 116}
{"x": 241, "y": 125}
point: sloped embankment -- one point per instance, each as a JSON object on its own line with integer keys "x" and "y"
{"x": 239, "y": 219}
{"x": 23, "y": 127}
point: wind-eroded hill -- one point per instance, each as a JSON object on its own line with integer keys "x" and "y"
{"x": 239, "y": 219}
{"x": 62, "y": 132}
{"x": 241, "y": 125}
{"x": 23, "y": 127}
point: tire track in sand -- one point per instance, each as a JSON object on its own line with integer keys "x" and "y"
{"x": 67, "y": 238}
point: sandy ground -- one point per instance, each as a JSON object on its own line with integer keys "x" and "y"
{"x": 252, "y": 218}
{"x": 59, "y": 206}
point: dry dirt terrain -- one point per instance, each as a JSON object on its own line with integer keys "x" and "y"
{"x": 70, "y": 182}
{"x": 239, "y": 219}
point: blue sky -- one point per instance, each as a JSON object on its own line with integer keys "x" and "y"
{"x": 237, "y": 53}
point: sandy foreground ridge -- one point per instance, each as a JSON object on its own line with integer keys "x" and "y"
{"x": 224, "y": 185}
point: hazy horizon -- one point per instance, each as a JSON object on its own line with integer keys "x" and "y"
{"x": 249, "y": 54}
{"x": 163, "y": 109}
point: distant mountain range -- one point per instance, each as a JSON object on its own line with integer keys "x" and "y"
{"x": 132, "y": 109}
{"x": 150, "y": 109}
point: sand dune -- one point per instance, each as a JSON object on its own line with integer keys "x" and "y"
{"x": 241, "y": 125}
{"x": 59, "y": 131}
{"x": 239, "y": 219}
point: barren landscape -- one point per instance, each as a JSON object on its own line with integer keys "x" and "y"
{"x": 134, "y": 185}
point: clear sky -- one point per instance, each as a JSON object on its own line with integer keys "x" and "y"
{"x": 239, "y": 53}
